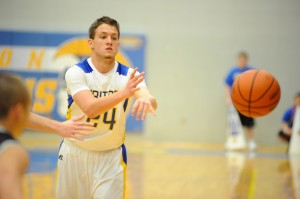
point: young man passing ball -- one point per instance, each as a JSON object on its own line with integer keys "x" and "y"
{"x": 99, "y": 88}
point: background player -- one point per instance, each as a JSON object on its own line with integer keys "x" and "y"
{"x": 100, "y": 87}
{"x": 14, "y": 104}
{"x": 286, "y": 128}
{"x": 14, "y": 114}
{"x": 242, "y": 66}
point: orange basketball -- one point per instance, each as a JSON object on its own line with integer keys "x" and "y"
{"x": 255, "y": 93}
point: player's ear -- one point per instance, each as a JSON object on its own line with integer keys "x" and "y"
{"x": 15, "y": 113}
{"x": 91, "y": 43}
{"x": 20, "y": 115}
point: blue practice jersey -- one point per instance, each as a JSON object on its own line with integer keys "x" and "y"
{"x": 288, "y": 116}
{"x": 234, "y": 73}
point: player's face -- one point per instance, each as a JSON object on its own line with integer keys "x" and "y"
{"x": 106, "y": 41}
{"x": 242, "y": 62}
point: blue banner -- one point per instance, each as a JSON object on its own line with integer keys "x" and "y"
{"x": 42, "y": 59}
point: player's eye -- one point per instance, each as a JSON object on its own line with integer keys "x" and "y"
{"x": 102, "y": 36}
{"x": 115, "y": 38}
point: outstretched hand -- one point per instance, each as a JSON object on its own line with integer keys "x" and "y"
{"x": 141, "y": 107}
{"x": 131, "y": 86}
{"x": 74, "y": 128}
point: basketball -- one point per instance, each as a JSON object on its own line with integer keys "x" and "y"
{"x": 255, "y": 93}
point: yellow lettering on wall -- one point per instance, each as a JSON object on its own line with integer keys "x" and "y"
{"x": 5, "y": 57}
{"x": 30, "y": 82}
{"x": 36, "y": 58}
{"x": 45, "y": 96}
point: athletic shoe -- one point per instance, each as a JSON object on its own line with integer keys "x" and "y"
{"x": 252, "y": 145}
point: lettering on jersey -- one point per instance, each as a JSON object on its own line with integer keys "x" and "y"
{"x": 95, "y": 118}
{"x": 102, "y": 93}
{"x": 109, "y": 116}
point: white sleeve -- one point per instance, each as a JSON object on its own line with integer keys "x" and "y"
{"x": 142, "y": 84}
{"x": 76, "y": 80}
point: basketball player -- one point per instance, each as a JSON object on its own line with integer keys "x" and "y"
{"x": 286, "y": 128}
{"x": 14, "y": 114}
{"x": 100, "y": 87}
{"x": 248, "y": 122}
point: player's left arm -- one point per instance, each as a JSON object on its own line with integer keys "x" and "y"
{"x": 145, "y": 103}
{"x": 68, "y": 129}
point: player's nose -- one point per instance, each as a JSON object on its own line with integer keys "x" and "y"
{"x": 109, "y": 40}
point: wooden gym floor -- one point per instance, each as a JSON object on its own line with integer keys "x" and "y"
{"x": 161, "y": 170}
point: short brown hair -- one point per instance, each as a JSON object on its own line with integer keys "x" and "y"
{"x": 297, "y": 95}
{"x": 12, "y": 92}
{"x": 103, "y": 20}
{"x": 243, "y": 54}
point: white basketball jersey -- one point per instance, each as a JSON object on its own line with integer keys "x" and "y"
{"x": 109, "y": 132}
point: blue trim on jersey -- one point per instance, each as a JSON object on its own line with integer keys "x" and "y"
{"x": 122, "y": 70}
{"x": 234, "y": 72}
{"x": 124, "y": 153}
{"x": 84, "y": 65}
{"x": 70, "y": 100}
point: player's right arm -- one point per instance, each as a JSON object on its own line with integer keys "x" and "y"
{"x": 14, "y": 162}
{"x": 92, "y": 107}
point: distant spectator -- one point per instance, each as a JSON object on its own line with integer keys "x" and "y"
{"x": 288, "y": 120}
{"x": 247, "y": 122}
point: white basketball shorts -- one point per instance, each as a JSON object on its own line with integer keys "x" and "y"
{"x": 83, "y": 174}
